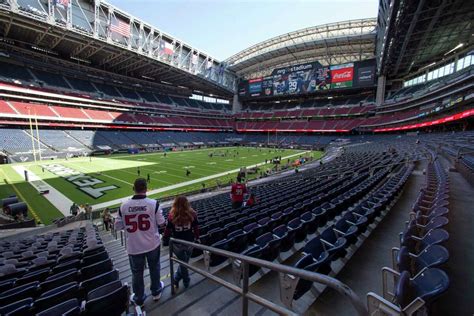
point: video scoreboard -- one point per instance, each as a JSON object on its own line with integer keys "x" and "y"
{"x": 310, "y": 78}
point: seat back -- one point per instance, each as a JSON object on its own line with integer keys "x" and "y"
{"x": 21, "y": 307}
{"x": 96, "y": 269}
{"x": 100, "y": 256}
{"x": 403, "y": 291}
{"x": 109, "y": 299}
{"x": 56, "y": 280}
{"x": 57, "y": 295}
{"x": 68, "y": 308}
{"x": 97, "y": 281}
{"x": 18, "y": 293}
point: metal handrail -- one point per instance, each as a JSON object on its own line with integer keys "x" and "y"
{"x": 333, "y": 283}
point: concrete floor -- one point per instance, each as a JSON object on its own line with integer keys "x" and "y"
{"x": 459, "y": 299}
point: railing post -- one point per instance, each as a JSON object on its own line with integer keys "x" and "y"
{"x": 170, "y": 248}
{"x": 245, "y": 288}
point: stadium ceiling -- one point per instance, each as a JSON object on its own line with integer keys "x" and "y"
{"x": 413, "y": 34}
{"x": 330, "y": 44}
{"x": 97, "y": 34}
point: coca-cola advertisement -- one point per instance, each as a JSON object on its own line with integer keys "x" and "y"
{"x": 342, "y": 76}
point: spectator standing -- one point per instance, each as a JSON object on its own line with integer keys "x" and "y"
{"x": 106, "y": 218}
{"x": 237, "y": 193}
{"x": 74, "y": 209}
{"x": 88, "y": 210}
{"x": 140, "y": 218}
{"x": 182, "y": 224}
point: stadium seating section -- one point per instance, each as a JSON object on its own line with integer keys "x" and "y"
{"x": 58, "y": 273}
{"x": 100, "y": 105}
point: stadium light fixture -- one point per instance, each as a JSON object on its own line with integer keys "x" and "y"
{"x": 455, "y": 48}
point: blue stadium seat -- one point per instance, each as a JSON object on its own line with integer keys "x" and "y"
{"x": 56, "y": 296}
{"x": 58, "y": 279}
{"x": 109, "y": 299}
{"x": 91, "y": 284}
{"x": 20, "y": 307}
{"x": 300, "y": 230}
{"x": 68, "y": 308}
{"x": 287, "y": 237}
{"x": 270, "y": 245}
{"x": 19, "y": 292}
{"x": 427, "y": 286}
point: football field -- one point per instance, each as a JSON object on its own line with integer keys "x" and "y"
{"x": 103, "y": 181}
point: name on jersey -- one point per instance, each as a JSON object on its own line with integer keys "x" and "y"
{"x": 82, "y": 181}
{"x": 136, "y": 209}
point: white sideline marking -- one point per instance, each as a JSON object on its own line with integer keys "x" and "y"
{"x": 59, "y": 200}
{"x": 183, "y": 184}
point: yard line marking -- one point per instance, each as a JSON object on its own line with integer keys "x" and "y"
{"x": 102, "y": 174}
{"x": 186, "y": 183}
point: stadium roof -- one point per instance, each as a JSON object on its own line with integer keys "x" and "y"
{"x": 99, "y": 35}
{"x": 413, "y": 34}
{"x": 333, "y": 43}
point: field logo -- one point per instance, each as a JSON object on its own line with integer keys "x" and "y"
{"x": 83, "y": 182}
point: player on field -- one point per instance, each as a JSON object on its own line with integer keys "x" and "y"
{"x": 140, "y": 218}
{"x": 237, "y": 193}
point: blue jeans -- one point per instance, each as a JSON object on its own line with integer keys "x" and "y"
{"x": 183, "y": 253}
{"x": 137, "y": 265}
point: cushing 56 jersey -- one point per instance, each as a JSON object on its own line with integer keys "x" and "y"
{"x": 140, "y": 218}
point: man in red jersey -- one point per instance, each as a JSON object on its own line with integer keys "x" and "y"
{"x": 237, "y": 193}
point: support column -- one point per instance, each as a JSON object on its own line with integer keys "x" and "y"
{"x": 236, "y": 105}
{"x": 380, "y": 96}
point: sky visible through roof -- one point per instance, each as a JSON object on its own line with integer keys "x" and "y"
{"x": 222, "y": 28}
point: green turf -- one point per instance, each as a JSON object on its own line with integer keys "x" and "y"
{"x": 38, "y": 206}
{"x": 121, "y": 171}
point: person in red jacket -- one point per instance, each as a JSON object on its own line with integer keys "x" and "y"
{"x": 237, "y": 193}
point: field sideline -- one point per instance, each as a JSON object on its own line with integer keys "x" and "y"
{"x": 108, "y": 178}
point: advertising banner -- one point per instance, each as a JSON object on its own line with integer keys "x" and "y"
{"x": 365, "y": 76}
{"x": 255, "y": 87}
{"x": 342, "y": 76}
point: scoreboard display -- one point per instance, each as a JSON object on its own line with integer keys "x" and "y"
{"x": 310, "y": 78}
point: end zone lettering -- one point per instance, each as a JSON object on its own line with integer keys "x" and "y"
{"x": 83, "y": 182}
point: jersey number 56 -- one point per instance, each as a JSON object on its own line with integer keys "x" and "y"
{"x": 136, "y": 222}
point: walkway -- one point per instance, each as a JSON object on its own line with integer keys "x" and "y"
{"x": 459, "y": 299}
